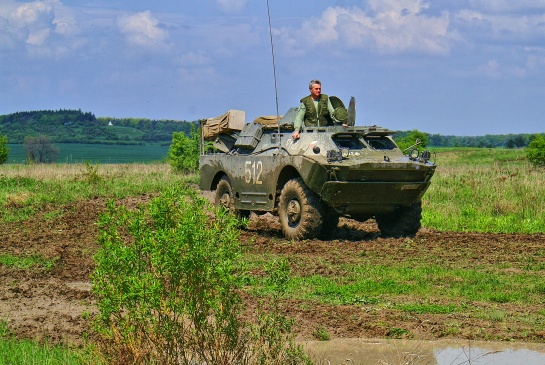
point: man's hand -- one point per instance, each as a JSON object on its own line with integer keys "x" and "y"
{"x": 295, "y": 135}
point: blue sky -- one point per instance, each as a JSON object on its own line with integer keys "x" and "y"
{"x": 465, "y": 67}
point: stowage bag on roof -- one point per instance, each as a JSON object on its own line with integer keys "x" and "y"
{"x": 229, "y": 122}
{"x": 268, "y": 121}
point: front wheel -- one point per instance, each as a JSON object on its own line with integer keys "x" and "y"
{"x": 299, "y": 211}
{"x": 404, "y": 221}
{"x": 225, "y": 198}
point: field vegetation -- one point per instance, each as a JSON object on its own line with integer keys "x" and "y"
{"x": 26, "y": 189}
{"x": 485, "y": 190}
{"x": 416, "y": 279}
{"x": 473, "y": 190}
{"x": 27, "y": 352}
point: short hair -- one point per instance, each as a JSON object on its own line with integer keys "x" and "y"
{"x": 313, "y": 82}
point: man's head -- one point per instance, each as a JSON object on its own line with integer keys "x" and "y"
{"x": 315, "y": 87}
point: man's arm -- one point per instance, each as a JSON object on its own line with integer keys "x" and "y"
{"x": 330, "y": 107}
{"x": 298, "y": 123}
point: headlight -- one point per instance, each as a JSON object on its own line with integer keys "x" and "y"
{"x": 426, "y": 155}
{"x": 344, "y": 152}
{"x": 334, "y": 156}
{"x": 414, "y": 154}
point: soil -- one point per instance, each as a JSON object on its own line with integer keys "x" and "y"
{"x": 55, "y": 304}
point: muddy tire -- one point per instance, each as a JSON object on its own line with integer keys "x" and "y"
{"x": 401, "y": 222}
{"x": 226, "y": 199}
{"x": 299, "y": 211}
{"x": 224, "y": 195}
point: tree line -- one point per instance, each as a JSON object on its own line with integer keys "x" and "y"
{"x": 75, "y": 126}
{"x": 487, "y": 141}
{"x": 39, "y": 130}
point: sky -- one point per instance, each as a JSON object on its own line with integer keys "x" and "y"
{"x": 464, "y": 67}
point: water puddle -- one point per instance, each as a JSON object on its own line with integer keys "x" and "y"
{"x": 401, "y": 352}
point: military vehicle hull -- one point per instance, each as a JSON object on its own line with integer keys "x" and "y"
{"x": 332, "y": 171}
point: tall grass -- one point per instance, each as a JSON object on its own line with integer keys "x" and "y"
{"x": 485, "y": 191}
{"x": 481, "y": 190}
{"x": 26, "y": 352}
{"x": 13, "y": 351}
{"x": 24, "y": 189}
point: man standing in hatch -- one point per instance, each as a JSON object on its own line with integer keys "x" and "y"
{"x": 315, "y": 109}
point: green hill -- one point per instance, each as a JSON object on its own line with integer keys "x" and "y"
{"x": 75, "y": 126}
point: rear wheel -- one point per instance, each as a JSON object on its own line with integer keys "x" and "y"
{"x": 401, "y": 222}
{"x": 299, "y": 211}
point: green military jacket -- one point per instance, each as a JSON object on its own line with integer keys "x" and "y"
{"x": 315, "y": 117}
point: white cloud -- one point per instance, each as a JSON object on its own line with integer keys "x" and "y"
{"x": 390, "y": 26}
{"x": 507, "y": 27}
{"x": 193, "y": 59}
{"x": 32, "y": 21}
{"x": 536, "y": 58}
{"x": 142, "y": 29}
{"x": 38, "y": 37}
{"x": 496, "y": 70}
{"x": 28, "y": 14}
{"x": 397, "y": 6}
{"x": 35, "y": 23}
{"x": 65, "y": 21}
{"x": 232, "y": 5}
{"x": 507, "y": 6}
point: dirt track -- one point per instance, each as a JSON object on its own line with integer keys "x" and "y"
{"x": 54, "y": 304}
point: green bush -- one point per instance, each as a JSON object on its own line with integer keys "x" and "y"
{"x": 165, "y": 282}
{"x": 535, "y": 152}
{"x": 184, "y": 152}
{"x": 4, "y": 150}
{"x": 410, "y": 139}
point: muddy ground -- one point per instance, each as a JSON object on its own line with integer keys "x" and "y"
{"x": 56, "y": 303}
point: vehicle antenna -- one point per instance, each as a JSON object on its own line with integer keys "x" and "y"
{"x": 274, "y": 70}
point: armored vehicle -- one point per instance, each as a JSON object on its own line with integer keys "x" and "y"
{"x": 331, "y": 171}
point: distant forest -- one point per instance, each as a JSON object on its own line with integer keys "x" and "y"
{"x": 75, "y": 126}
{"x": 487, "y": 141}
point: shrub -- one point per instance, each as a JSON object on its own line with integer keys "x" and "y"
{"x": 183, "y": 154}
{"x": 411, "y": 138}
{"x": 535, "y": 152}
{"x": 165, "y": 282}
{"x": 4, "y": 150}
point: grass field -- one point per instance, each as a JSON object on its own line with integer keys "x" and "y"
{"x": 485, "y": 190}
{"x": 72, "y": 153}
{"x": 474, "y": 190}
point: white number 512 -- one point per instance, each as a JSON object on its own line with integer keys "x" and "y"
{"x": 253, "y": 171}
